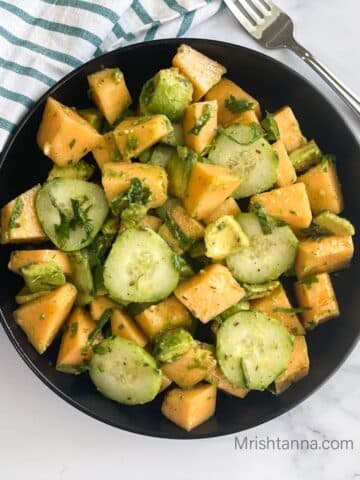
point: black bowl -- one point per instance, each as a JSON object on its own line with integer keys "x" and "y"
{"x": 274, "y": 84}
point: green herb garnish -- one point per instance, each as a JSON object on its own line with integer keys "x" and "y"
{"x": 73, "y": 328}
{"x": 263, "y": 218}
{"x": 291, "y": 310}
{"x": 103, "y": 320}
{"x": 271, "y": 128}
{"x": 72, "y": 143}
{"x": 309, "y": 281}
{"x": 184, "y": 241}
{"x": 16, "y": 213}
{"x": 132, "y": 142}
{"x": 116, "y": 156}
{"x": 137, "y": 193}
{"x": 238, "y": 106}
{"x": 202, "y": 120}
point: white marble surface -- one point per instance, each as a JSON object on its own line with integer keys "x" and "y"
{"x": 43, "y": 438}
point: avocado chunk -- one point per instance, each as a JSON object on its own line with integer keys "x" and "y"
{"x": 175, "y": 137}
{"x": 25, "y": 295}
{"x": 224, "y": 237}
{"x": 179, "y": 170}
{"x": 160, "y": 155}
{"x": 332, "y": 224}
{"x": 305, "y": 157}
{"x": 168, "y": 92}
{"x": 81, "y": 171}
{"x": 43, "y": 276}
{"x": 82, "y": 277}
{"x": 171, "y": 344}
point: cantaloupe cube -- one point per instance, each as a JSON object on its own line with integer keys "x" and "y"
{"x": 277, "y": 305}
{"x": 135, "y": 134}
{"x": 189, "y": 408}
{"x": 286, "y": 170}
{"x": 41, "y": 319}
{"x": 246, "y": 118}
{"x": 297, "y": 368}
{"x": 317, "y": 295}
{"x": 326, "y": 254}
{"x": 21, "y": 258}
{"x": 72, "y": 354}
{"x": 98, "y": 306}
{"x": 202, "y": 71}
{"x": 289, "y": 128}
{"x": 167, "y": 314}
{"x": 323, "y": 188}
{"x": 208, "y": 187}
{"x": 223, "y": 91}
{"x": 63, "y": 135}
{"x": 200, "y": 124}
{"x": 210, "y": 292}
{"x": 109, "y": 92}
{"x": 227, "y": 207}
{"x": 123, "y": 326}
{"x": 190, "y": 227}
{"x": 218, "y": 379}
{"x": 117, "y": 178}
{"x": 192, "y": 367}
{"x": 19, "y": 222}
{"x": 290, "y": 204}
{"x": 166, "y": 234}
{"x": 107, "y": 151}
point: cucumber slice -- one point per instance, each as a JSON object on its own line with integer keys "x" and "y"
{"x": 267, "y": 256}
{"x": 239, "y": 148}
{"x": 253, "y": 349}
{"x": 140, "y": 267}
{"x": 123, "y": 371}
{"x": 260, "y": 290}
{"x": 71, "y": 212}
{"x": 332, "y": 224}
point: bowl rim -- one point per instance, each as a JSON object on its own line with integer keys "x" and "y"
{"x": 3, "y": 155}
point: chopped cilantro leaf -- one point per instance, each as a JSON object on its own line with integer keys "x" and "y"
{"x": 291, "y": 310}
{"x": 271, "y": 128}
{"x": 262, "y": 217}
{"x": 202, "y": 120}
{"x": 237, "y": 106}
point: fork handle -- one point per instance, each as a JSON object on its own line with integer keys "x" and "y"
{"x": 348, "y": 97}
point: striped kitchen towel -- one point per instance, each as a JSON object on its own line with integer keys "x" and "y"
{"x": 42, "y": 40}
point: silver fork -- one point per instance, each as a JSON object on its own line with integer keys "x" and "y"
{"x": 273, "y": 28}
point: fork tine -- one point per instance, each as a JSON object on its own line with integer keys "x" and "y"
{"x": 253, "y": 14}
{"x": 259, "y": 5}
{"x": 240, "y": 16}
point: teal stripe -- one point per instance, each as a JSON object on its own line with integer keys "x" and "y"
{"x": 150, "y": 34}
{"x": 173, "y": 4}
{"x": 52, "y": 26}
{"x": 6, "y": 125}
{"x": 141, "y": 12}
{"x": 89, "y": 6}
{"x": 186, "y": 23}
{"x": 26, "y": 71}
{"x": 120, "y": 33}
{"x": 16, "y": 97}
{"x": 47, "y": 52}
